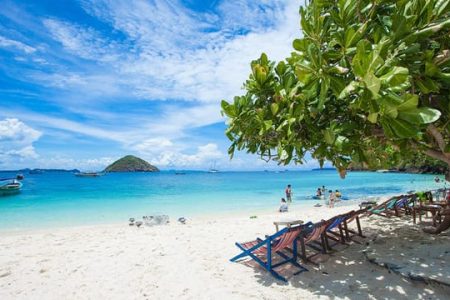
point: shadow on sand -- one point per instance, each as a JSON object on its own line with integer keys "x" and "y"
{"x": 347, "y": 273}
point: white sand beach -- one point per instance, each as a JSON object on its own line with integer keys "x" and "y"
{"x": 188, "y": 262}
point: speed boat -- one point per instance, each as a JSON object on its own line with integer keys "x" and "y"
{"x": 9, "y": 186}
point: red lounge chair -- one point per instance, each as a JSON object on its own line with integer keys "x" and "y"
{"x": 311, "y": 238}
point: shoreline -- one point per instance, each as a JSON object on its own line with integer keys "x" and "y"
{"x": 200, "y": 217}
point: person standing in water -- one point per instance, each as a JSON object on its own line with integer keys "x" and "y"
{"x": 288, "y": 193}
{"x": 332, "y": 199}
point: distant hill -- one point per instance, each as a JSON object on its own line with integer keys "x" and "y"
{"x": 131, "y": 163}
{"x": 27, "y": 170}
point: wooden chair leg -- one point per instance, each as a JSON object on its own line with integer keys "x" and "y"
{"x": 325, "y": 243}
{"x": 303, "y": 250}
{"x": 341, "y": 234}
{"x": 347, "y": 235}
{"x": 359, "y": 228}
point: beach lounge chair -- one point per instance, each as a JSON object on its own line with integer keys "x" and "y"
{"x": 262, "y": 251}
{"x": 385, "y": 209}
{"x": 314, "y": 239}
{"x": 335, "y": 230}
{"x": 444, "y": 225}
{"x": 350, "y": 233}
{"x": 403, "y": 205}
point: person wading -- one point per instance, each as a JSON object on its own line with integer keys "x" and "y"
{"x": 288, "y": 193}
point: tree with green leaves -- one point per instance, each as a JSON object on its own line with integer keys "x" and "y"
{"x": 368, "y": 81}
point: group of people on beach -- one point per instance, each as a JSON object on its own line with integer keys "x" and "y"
{"x": 320, "y": 194}
{"x": 333, "y": 196}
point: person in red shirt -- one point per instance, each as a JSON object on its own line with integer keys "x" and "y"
{"x": 288, "y": 193}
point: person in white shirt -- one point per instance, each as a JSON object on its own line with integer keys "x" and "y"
{"x": 283, "y": 207}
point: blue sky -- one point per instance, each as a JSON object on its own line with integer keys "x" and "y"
{"x": 84, "y": 82}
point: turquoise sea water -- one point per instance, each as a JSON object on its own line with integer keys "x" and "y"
{"x": 61, "y": 199}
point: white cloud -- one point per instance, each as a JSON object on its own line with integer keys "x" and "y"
{"x": 65, "y": 162}
{"x": 81, "y": 41}
{"x": 204, "y": 156}
{"x": 169, "y": 52}
{"x": 71, "y": 126}
{"x": 152, "y": 145}
{"x": 16, "y": 141}
{"x": 8, "y": 43}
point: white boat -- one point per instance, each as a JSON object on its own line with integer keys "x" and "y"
{"x": 213, "y": 169}
{"x": 9, "y": 186}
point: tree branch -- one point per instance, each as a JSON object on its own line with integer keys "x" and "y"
{"x": 438, "y": 138}
{"x": 438, "y": 155}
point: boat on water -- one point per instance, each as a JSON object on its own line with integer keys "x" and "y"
{"x": 89, "y": 174}
{"x": 212, "y": 169}
{"x": 10, "y": 186}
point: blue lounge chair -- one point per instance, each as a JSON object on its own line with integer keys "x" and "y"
{"x": 335, "y": 230}
{"x": 350, "y": 233}
{"x": 261, "y": 251}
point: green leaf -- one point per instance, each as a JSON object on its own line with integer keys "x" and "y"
{"x": 431, "y": 69}
{"x": 403, "y": 129}
{"x": 281, "y": 68}
{"x": 358, "y": 62}
{"x": 427, "y": 85}
{"x": 329, "y": 136}
{"x": 411, "y": 102}
{"x": 350, "y": 88}
{"x": 391, "y": 111}
{"x": 267, "y": 124}
{"x": 274, "y": 108}
{"x": 372, "y": 117}
{"x": 264, "y": 59}
{"x": 373, "y": 83}
{"x": 396, "y": 76}
{"x": 323, "y": 94}
{"x": 387, "y": 127}
{"x": 299, "y": 45}
{"x": 423, "y": 115}
{"x": 229, "y": 109}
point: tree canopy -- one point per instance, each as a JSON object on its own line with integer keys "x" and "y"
{"x": 368, "y": 81}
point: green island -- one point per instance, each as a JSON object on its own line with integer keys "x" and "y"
{"x": 130, "y": 163}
